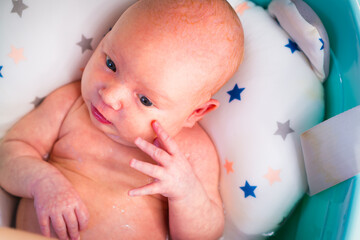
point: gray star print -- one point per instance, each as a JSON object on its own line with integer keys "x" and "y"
{"x": 37, "y": 101}
{"x": 283, "y": 129}
{"x": 85, "y": 43}
{"x": 18, "y": 7}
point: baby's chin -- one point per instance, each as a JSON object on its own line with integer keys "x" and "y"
{"x": 113, "y": 135}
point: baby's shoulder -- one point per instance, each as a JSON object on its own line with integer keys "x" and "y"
{"x": 196, "y": 143}
{"x": 63, "y": 97}
{"x": 201, "y": 154}
{"x": 68, "y": 91}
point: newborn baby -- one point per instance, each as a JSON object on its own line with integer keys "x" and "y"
{"x": 120, "y": 155}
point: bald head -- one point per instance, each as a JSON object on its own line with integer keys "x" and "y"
{"x": 162, "y": 61}
{"x": 207, "y": 32}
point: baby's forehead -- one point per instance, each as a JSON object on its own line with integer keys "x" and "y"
{"x": 185, "y": 16}
{"x": 207, "y": 32}
{"x": 181, "y": 12}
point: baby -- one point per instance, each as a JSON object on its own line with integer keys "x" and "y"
{"x": 120, "y": 155}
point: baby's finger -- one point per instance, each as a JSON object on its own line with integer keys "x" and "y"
{"x": 82, "y": 215}
{"x": 148, "y": 168}
{"x": 72, "y": 225}
{"x": 149, "y": 189}
{"x": 59, "y": 226}
{"x": 165, "y": 140}
{"x": 44, "y": 223}
{"x": 154, "y": 152}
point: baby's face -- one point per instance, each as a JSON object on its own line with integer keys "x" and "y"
{"x": 135, "y": 77}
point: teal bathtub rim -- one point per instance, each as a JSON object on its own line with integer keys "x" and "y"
{"x": 335, "y": 212}
{"x": 342, "y": 21}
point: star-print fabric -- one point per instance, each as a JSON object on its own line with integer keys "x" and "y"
{"x": 46, "y": 44}
{"x": 263, "y": 110}
{"x": 273, "y": 97}
{"x": 306, "y": 30}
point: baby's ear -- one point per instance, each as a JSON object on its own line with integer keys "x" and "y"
{"x": 200, "y": 112}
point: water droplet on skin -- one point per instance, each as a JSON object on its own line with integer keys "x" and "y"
{"x": 128, "y": 227}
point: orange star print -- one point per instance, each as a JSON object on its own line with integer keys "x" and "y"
{"x": 242, "y": 8}
{"x": 228, "y": 166}
{"x": 17, "y": 54}
{"x": 273, "y": 175}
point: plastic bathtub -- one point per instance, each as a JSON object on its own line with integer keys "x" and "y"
{"x": 335, "y": 212}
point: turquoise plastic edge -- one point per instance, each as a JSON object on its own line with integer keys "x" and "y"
{"x": 353, "y": 230}
{"x": 334, "y": 213}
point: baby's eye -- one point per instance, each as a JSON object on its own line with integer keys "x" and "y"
{"x": 145, "y": 101}
{"x": 110, "y": 64}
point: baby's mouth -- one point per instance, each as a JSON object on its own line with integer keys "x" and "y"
{"x": 98, "y": 116}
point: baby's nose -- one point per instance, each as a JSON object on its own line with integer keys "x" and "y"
{"x": 111, "y": 97}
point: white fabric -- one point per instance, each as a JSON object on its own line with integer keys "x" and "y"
{"x": 332, "y": 150}
{"x": 48, "y": 33}
{"x": 280, "y": 88}
{"x": 304, "y": 34}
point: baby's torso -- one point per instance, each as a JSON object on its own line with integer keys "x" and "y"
{"x": 99, "y": 170}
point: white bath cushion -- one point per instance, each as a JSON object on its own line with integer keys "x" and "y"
{"x": 46, "y": 44}
{"x": 273, "y": 98}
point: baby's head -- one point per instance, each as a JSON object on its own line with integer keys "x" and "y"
{"x": 163, "y": 60}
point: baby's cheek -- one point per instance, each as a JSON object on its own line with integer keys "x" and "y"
{"x": 172, "y": 128}
{"x": 133, "y": 128}
{"x": 148, "y": 134}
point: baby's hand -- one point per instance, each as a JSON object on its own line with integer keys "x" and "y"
{"x": 59, "y": 203}
{"x": 174, "y": 176}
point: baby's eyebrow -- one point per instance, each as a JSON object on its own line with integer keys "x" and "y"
{"x": 110, "y": 52}
{"x": 158, "y": 97}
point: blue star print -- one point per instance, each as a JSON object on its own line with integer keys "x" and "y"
{"x": 322, "y": 42}
{"x": 235, "y": 93}
{"x": 248, "y": 190}
{"x": 0, "y": 72}
{"x": 293, "y": 46}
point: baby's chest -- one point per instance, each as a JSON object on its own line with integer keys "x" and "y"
{"x": 101, "y": 174}
{"x": 78, "y": 137}
{"x": 83, "y": 149}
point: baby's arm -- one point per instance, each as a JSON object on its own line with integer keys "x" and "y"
{"x": 201, "y": 215}
{"x": 190, "y": 183}
{"x": 25, "y": 173}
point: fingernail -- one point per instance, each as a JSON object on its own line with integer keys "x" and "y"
{"x": 132, "y": 162}
{"x": 155, "y": 123}
{"x": 137, "y": 140}
{"x": 156, "y": 142}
